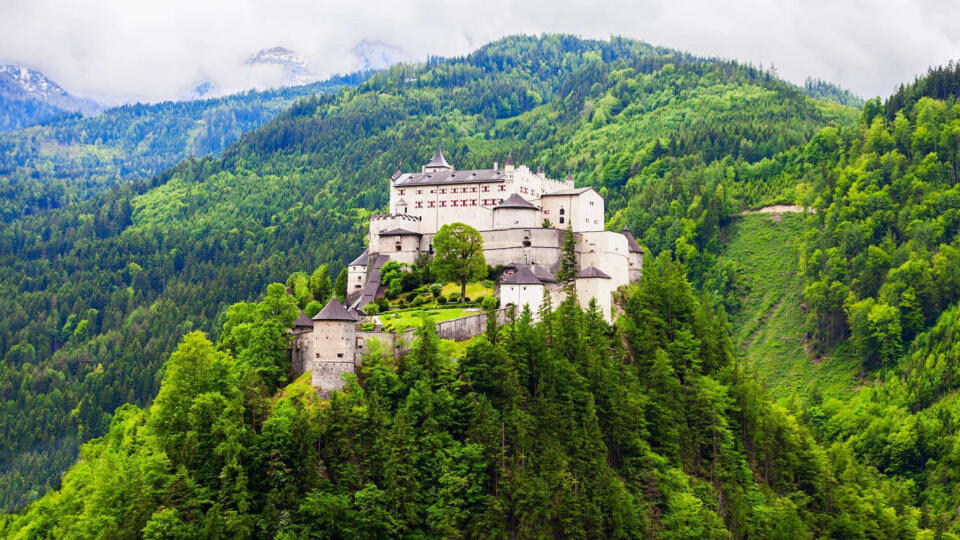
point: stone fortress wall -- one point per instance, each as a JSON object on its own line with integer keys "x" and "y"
{"x": 522, "y": 217}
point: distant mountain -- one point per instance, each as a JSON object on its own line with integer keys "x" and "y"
{"x": 295, "y": 68}
{"x": 279, "y": 67}
{"x": 72, "y": 156}
{"x": 28, "y": 97}
{"x": 378, "y": 55}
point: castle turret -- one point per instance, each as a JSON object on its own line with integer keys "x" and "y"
{"x": 334, "y": 346}
{"x": 437, "y": 163}
{"x": 515, "y": 213}
{"x": 521, "y": 288}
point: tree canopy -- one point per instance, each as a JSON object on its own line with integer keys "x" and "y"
{"x": 459, "y": 255}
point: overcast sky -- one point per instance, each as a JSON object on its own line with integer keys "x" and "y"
{"x": 150, "y": 49}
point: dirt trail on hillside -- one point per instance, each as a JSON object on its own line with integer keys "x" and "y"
{"x": 778, "y": 209}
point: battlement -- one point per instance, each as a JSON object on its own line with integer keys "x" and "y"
{"x": 400, "y": 217}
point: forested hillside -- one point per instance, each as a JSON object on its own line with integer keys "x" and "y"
{"x": 563, "y": 427}
{"x": 73, "y": 156}
{"x": 96, "y": 294}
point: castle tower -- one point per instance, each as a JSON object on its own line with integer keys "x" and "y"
{"x": 334, "y": 347}
{"x": 515, "y": 213}
{"x": 522, "y": 288}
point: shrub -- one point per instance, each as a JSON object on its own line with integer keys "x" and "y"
{"x": 418, "y": 301}
{"x": 371, "y": 309}
{"x": 436, "y": 290}
{"x": 441, "y": 299}
{"x": 488, "y": 283}
{"x": 312, "y": 308}
{"x": 489, "y": 303}
{"x": 382, "y": 303}
{"x": 454, "y": 296}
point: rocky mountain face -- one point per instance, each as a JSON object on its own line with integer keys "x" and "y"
{"x": 28, "y": 97}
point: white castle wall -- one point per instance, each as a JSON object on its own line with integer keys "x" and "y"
{"x": 521, "y": 295}
{"x": 607, "y": 251}
{"x": 513, "y": 218}
{"x": 584, "y": 211}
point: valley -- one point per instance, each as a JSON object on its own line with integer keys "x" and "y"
{"x": 785, "y": 367}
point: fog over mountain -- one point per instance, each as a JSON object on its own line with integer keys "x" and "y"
{"x": 119, "y": 51}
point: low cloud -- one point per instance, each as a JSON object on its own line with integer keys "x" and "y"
{"x": 148, "y": 50}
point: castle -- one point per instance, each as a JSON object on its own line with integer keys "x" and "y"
{"x": 522, "y": 217}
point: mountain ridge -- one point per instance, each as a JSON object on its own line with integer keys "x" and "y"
{"x": 141, "y": 264}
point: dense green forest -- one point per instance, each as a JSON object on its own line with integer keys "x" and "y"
{"x": 881, "y": 286}
{"x": 563, "y": 427}
{"x": 72, "y": 156}
{"x": 97, "y": 293}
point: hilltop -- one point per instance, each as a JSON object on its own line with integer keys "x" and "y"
{"x": 99, "y": 291}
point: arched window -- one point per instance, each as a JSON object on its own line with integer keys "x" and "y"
{"x": 561, "y": 211}
{"x": 399, "y": 247}
{"x": 561, "y": 220}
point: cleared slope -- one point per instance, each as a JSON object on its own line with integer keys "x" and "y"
{"x": 769, "y": 325}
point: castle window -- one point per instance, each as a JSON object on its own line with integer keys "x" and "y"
{"x": 401, "y": 191}
{"x": 561, "y": 220}
{"x": 443, "y": 191}
{"x": 561, "y": 211}
{"x": 443, "y": 204}
{"x": 339, "y": 355}
{"x": 473, "y": 189}
{"x": 399, "y": 246}
{"x": 419, "y": 204}
{"x": 502, "y": 187}
{"x": 430, "y": 204}
{"x": 453, "y": 203}
{"x": 419, "y": 192}
{"x": 546, "y": 211}
{"x": 486, "y": 189}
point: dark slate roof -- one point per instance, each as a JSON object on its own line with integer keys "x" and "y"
{"x": 509, "y": 159}
{"x": 334, "y": 311}
{"x": 563, "y": 192}
{"x": 402, "y": 202}
{"x": 437, "y": 160}
{"x": 516, "y": 201}
{"x": 523, "y": 276}
{"x": 362, "y": 259}
{"x": 631, "y": 241}
{"x": 592, "y": 272}
{"x": 569, "y": 177}
{"x": 544, "y": 274}
{"x": 372, "y": 288}
{"x": 399, "y": 232}
{"x": 444, "y": 178}
{"x": 303, "y": 320}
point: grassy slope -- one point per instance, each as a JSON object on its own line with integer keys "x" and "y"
{"x": 769, "y": 326}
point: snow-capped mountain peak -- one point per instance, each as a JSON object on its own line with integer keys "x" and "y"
{"x": 295, "y": 68}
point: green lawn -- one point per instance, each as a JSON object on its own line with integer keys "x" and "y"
{"x": 402, "y": 320}
{"x": 475, "y": 290}
{"x": 769, "y": 327}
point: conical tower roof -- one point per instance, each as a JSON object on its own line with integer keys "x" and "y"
{"x": 438, "y": 160}
{"x": 334, "y": 311}
{"x": 631, "y": 241}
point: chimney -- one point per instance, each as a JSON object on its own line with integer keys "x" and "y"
{"x": 495, "y": 165}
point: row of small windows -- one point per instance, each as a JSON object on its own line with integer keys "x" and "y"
{"x": 469, "y": 189}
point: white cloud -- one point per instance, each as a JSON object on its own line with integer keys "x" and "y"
{"x": 147, "y": 49}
